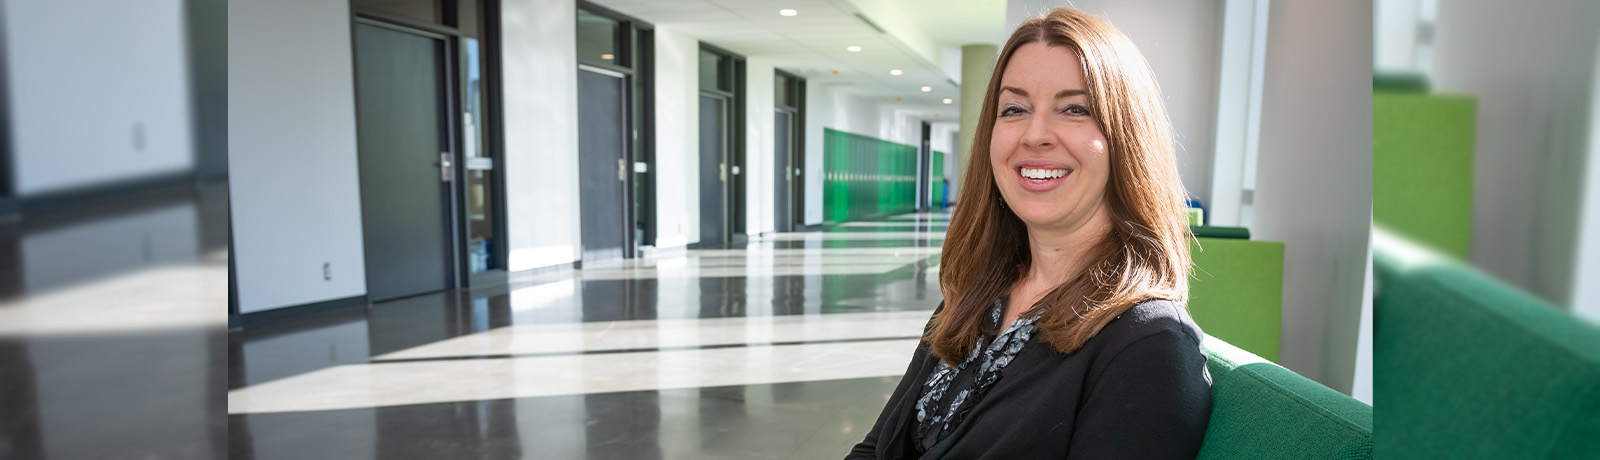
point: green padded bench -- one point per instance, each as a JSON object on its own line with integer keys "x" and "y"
{"x": 1469, "y": 367}
{"x": 1261, "y": 410}
{"x": 1236, "y": 292}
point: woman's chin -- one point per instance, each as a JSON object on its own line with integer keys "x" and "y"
{"x": 1037, "y": 213}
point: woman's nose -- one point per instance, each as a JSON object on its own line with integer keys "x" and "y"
{"x": 1038, "y": 135}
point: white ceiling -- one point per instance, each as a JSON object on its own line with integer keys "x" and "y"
{"x": 813, "y": 43}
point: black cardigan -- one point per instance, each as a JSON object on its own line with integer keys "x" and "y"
{"x": 1137, "y": 389}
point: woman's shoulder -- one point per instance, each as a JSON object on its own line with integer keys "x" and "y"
{"x": 1155, "y": 317}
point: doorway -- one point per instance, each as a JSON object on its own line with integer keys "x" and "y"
{"x": 713, "y": 169}
{"x": 406, "y": 163}
{"x": 924, "y": 168}
{"x": 721, "y": 164}
{"x": 615, "y": 90}
{"x": 788, "y": 152}
{"x": 602, "y": 166}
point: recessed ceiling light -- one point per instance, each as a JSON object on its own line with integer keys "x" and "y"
{"x": 853, "y": 48}
{"x": 927, "y": 89}
{"x": 895, "y": 72}
{"x": 788, "y": 12}
{"x": 949, "y": 100}
{"x": 608, "y": 56}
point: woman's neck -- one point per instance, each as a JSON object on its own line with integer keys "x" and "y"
{"x": 1060, "y": 254}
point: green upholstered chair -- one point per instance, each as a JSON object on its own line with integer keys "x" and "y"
{"x": 1469, "y": 367}
{"x": 1422, "y": 163}
{"x": 1236, "y": 293}
{"x": 1261, "y": 410}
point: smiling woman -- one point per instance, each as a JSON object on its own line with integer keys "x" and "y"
{"x": 1065, "y": 270}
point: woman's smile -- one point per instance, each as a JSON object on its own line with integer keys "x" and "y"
{"x": 1041, "y": 176}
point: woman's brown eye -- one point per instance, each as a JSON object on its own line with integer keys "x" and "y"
{"x": 1076, "y": 110}
{"x": 1009, "y": 111}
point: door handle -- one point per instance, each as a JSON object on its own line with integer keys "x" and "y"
{"x": 446, "y": 167}
{"x": 622, "y": 169}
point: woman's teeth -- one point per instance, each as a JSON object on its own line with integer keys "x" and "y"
{"x": 1041, "y": 175}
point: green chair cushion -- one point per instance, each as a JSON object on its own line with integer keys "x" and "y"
{"x": 1261, "y": 410}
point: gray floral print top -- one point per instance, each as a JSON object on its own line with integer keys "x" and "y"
{"x": 937, "y": 415}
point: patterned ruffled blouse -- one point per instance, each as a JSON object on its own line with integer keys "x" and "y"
{"x": 937, "y": 414}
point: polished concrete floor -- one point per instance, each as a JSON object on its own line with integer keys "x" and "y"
{"x": 112, "y": 338}
{"x": 786, "y": 346}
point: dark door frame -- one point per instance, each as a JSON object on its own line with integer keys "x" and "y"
{"x": 636, "y": 52}
{"x": 924, "y": 168}
{"x": 453, "y": 246}
{"x": 733, "y": 201}
{"x": 797, "y": 152}
{"x": 628, "y": 243}
{"x": 455, "y": 92}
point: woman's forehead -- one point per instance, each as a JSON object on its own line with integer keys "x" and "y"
{"x": 1043, "y": 69}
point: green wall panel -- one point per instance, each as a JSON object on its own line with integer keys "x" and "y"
{"x": 1422, "y": 155}
{"x": 1236, "y": 293}
{"x": 865, "y": 177}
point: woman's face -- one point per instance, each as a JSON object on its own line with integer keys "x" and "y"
{"x": 1048, "y": 153}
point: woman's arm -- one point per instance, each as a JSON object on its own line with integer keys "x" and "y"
{"x": 867, "y": 449}
{"x": 1152, "y": 401}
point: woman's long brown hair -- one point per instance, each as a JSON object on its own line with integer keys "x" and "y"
{"x": 1146, "y": 253}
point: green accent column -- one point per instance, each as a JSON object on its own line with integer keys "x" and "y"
{"x": 977, "y": 63}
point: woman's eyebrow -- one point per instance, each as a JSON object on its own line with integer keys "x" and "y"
{"x": 1059, "y": 95}
{"x": 1070, "y": 92}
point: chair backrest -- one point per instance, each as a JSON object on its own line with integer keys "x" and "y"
{"x": 1422, "y": 160}
{"x": 1236, "y": 293}
{"x": 1469, "y": 367}
{"x": 1261, "y": 410}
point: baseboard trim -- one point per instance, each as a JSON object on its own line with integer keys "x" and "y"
{"x": 258, "y": 319}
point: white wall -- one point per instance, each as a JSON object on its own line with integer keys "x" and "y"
{"x": 677, "y": 138}
{"x": 96, "y": 98}
{"x": 540, "y": 59}
{"x": 292, "y": 153}
{"x": 760, "y": 146}
{"x": 1314, "y": 182}
{"x": 1182, "y": 42}
{"x": 1533, "y": 89}
{"x": 819, "y": 110}
{"x": 1395, "y": 35}
{"x": 942, "y": 136}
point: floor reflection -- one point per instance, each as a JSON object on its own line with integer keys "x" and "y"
{"x": 778, "y": 286}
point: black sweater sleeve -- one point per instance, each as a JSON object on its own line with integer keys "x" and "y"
{"x": 1146, "y": 402}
